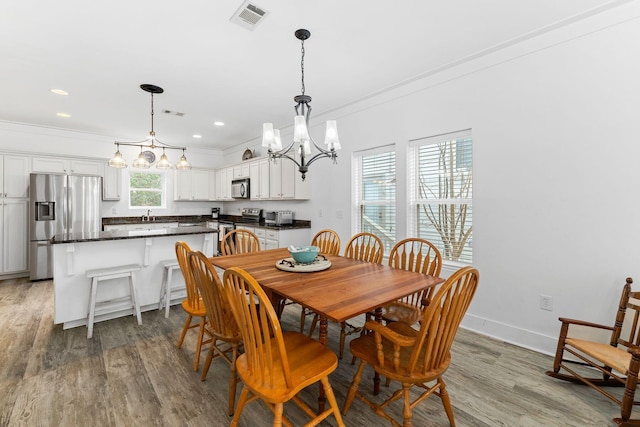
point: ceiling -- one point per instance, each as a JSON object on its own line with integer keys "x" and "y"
{"x": 215, "y": 70}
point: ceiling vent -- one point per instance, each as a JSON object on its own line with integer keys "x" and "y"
{"x": 249, "y": 15}
{"x": 173, "y": 113}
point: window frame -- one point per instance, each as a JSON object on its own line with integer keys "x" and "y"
{"x": 357, "y": 192}
{"x": 415, "y": 199}
{"x": 162, "y": 190}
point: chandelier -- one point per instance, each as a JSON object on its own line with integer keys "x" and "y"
{"x": 301, "y": 137}
{"x": 146, "y": 158}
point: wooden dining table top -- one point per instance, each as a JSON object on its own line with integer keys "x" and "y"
{"x": 346, "y": 289}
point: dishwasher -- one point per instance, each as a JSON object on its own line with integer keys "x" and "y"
{"x": 223, "y": 228}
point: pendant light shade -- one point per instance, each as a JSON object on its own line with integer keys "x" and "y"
{"x": 118, "y": 161}
{"x": 163, "y": 163}
{"x": 183, "y": 164}
{"x": 141, "y": 162}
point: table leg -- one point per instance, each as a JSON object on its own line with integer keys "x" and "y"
{"x": 323, "y": 340}
{"x": 376, "y": 377}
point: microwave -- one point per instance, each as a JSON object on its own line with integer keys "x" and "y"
{"x": 240, "y": 188}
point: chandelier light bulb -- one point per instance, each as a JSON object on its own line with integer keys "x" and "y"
{"x": 268, "y": 135}
{"x": 300, "y": 132}
{"x": 331, "y": 136}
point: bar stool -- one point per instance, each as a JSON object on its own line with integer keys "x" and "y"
{"x": 111, "y": 273}
{"x": 166, "y": 291}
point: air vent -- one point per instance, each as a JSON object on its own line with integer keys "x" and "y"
{"x": 249, "y": 15}
{"x": 173, "y": 113}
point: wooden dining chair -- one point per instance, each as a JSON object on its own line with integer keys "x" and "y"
{"x": 415, "y": 357}
{"x": 192, "y": 304}
{"x": 239, "y": 241}
{"x": 275, "y": 365}
{"x": 329, "y": 243}
{"x": 421, "y": 256}
{"x": 612, "y": 364}
{"x": 364, "y": 247}
{"x": 220, "y": 322}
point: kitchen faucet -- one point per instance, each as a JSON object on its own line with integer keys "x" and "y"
{"x": 147, "y": 217}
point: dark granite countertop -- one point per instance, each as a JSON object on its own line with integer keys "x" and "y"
{"x": 130, "y": 234}
{"x": 236, "y": 219}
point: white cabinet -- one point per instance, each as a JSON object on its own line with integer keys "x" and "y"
{"x": 241, "y": 171}
{"x": 62, "y": 165}
{"x": 111, "y": 183}
{"x": 286, "y": 182}
{"x": 14, "y": 176}
{"x": 223, "y": 180}
{"x": 14, "y": 237}
{"x": 192, "y": 185}
{"x": 259, "y": 179}
{"x": 14, "y": 214}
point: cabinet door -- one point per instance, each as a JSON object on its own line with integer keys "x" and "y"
{"x": 49, "y": 164}
{"x": 256, "y": 182}
{"x": 288, "y": 181}
{"x": 111, "y": 183}
{"x": 221, "y": 177}
{"x": 14, "y": 235}
{"x": 182, "y": 185}
{"x": 199, "y": 184}
{"x": 227, "y": 183}
{"x": 275, "y": 179}
{"x": 86, "y": 167}
{"x": 264, "y": 178}
{"x": 14, "y": 176}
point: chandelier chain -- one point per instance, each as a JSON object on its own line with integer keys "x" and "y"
{"x": 302, "y": 65}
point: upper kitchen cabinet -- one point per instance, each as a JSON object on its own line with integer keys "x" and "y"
{"x": 286, "y": 182}
{"x": 241, "y": 171}
{"x": 111, "y": 183}
{"x": 192, "y": 185}
{"x": 14, "y": 176}
{"x": 223, "y": 180}
{"x": 62, "y": 165}
{"x": 259, "y": 179}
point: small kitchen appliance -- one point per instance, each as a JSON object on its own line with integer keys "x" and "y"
{"x": 278, "y": 218}
{"x": 215, "y": 212}
{"x": 240, "y": 188}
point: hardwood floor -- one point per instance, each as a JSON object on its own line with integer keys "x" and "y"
{"x": 130, "y": 375}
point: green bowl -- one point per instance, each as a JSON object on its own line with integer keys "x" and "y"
{"x": 305, "y": 254}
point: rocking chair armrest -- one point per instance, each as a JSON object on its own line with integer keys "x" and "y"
{"x": 394, "y": 337}
{"x": 584, "y": 323}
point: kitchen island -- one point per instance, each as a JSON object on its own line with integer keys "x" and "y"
{"x": 74, "y": 254}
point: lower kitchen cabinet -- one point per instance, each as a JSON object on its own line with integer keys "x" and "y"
{"x": 282, "y": 238}
{"x": 14, "y": 235}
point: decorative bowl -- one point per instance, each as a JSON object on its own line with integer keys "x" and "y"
{"x": 305, "y": 254}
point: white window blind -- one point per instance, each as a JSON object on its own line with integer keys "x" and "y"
{"x": 375, "y": 192}
{"x": 443, "y": 193}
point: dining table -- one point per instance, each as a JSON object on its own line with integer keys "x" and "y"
{"x": 346, "y": 289}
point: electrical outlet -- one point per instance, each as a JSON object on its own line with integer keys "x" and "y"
{"x": 339, "y": 214}
{"x": 114, "y": 210}
{"x": 319, "y": 213}
{"x": 546, "y": 303}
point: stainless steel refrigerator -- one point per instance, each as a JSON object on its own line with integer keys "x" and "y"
{"x": 60, "y": 204}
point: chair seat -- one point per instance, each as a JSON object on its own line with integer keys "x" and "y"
{"x": 308, "y": 361}
{"x": 614, "y": 357}
{"x": 200, "y": 311}
{"x": 364, "y": 348}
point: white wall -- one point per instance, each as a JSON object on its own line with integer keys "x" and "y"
{"x": 556, "y": 155}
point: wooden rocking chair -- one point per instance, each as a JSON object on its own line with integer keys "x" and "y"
{"x": 618, "y": 361}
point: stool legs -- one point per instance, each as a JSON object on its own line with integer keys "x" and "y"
{"x": 92, "y": 306}
{"x": 134, "y": 297}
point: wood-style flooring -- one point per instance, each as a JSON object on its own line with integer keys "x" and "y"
{"x": 130, "y": 375}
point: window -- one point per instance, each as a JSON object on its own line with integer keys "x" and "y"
{"x": 442, "y": 193}
{"x": 375, "y": 193}
{"x": 146, "y": 190}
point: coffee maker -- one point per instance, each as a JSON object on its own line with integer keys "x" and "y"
{"x": 215, "y": 212}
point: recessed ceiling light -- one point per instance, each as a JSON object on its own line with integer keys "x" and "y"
{"x": 59, "y": 91}
{"x": 64, "y": 115}
{"x": 197, "y": 136}
{"x": 218, "y": 123}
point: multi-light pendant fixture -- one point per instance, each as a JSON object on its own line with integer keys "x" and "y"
{"x": 146, "y": 158}
{"x": 301, "y": 137}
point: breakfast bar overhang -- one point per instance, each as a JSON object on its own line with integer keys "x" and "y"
{"x": 74, "y": 254}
